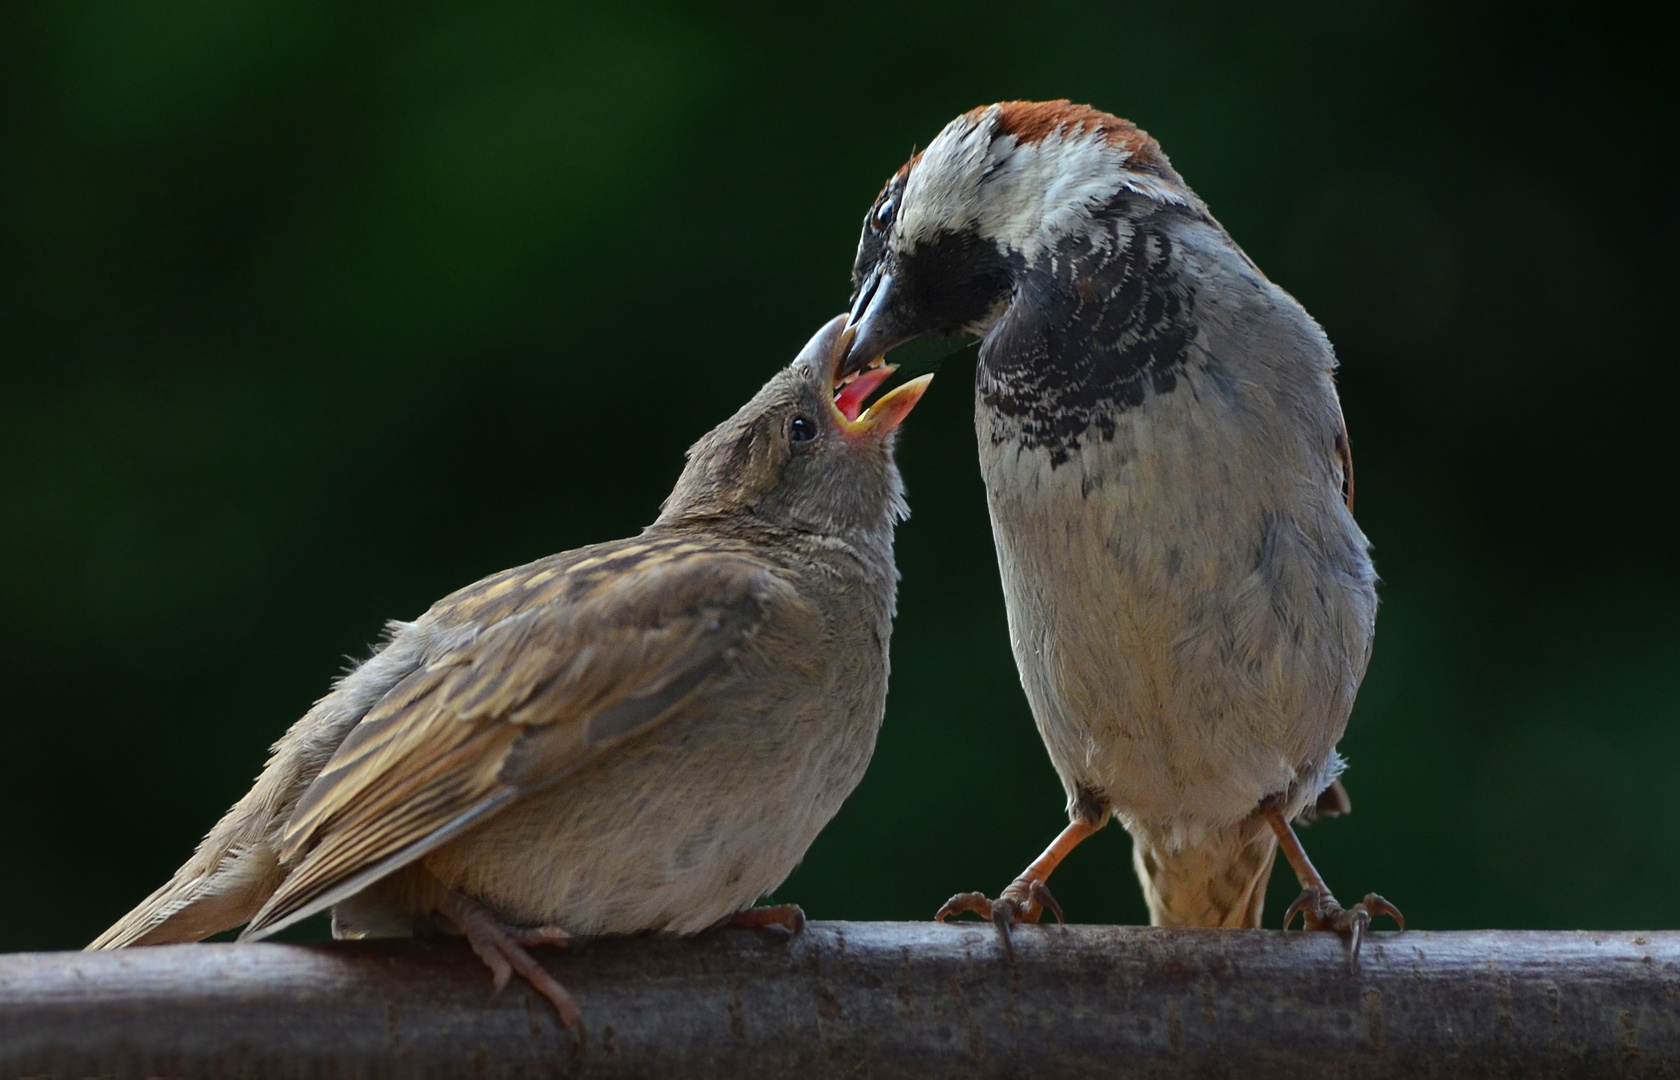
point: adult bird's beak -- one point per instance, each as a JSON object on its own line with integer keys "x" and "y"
{"x": 874, "y": 322}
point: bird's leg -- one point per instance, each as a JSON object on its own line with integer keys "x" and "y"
{"x": 1316, "y": 906}
{"x": 1027, "y": 896}
{"x": 502, "y": 948}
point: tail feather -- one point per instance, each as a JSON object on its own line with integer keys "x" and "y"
{"x": 191, "y": 906}
{"x": 236, "y": 867}
{"x": 1219, "y": 882}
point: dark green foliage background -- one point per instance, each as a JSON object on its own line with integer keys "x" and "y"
{"x": 310, "y": 313}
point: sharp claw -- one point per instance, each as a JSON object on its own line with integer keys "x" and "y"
{"x": 1378, "y": 906}
{"x": 1003, "y": 913}
{"x": 1040, "y": 894}
{"x": 1303, "y": 906}
{"x": 1356, "y": 931}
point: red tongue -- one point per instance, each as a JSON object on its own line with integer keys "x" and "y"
{"x": 850, "y": 399}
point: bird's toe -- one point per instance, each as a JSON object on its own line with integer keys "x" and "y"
{"x": 789, "y": 916}
{"x": 1320, "y": 911}
{"x": 966, "y": 903}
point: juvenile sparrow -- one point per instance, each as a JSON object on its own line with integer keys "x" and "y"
{"x": 645, "y": 734}
{"x": 1191, "y": 604}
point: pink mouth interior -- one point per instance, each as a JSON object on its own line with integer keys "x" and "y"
{"x": 851, "y": 397}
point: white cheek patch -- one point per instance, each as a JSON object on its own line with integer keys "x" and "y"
{"x": 939, "y": 193}
{"x": 1046, "y": 190}
{"x": 1024, "y": 195}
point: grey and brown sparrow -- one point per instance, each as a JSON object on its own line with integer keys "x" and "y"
{"x": 1191, "y": 604}
{"x": 638, "y": 735}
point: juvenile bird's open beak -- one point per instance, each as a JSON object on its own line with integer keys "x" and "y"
{"x": 873, "y": 322}
{"x": 887, "y": 413}
{"x": 853, "y": 387}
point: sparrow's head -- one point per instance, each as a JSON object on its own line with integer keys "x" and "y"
{"x": 805, "y": 453}
{"x": 995, "y": 191}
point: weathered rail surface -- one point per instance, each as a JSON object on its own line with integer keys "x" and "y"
{"x": 868, "y": 999}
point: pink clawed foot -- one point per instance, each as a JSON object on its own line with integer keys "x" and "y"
{"x": 502, "y": 948}
{"x": 1319, "y": 911}
{"x": 1025, "y": 900}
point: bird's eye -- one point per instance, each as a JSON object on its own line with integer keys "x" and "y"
{"x": 801, "y": 429}
{"x": 884, "y": 214}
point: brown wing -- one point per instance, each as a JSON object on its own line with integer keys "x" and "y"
{"x": 563, "y": 665}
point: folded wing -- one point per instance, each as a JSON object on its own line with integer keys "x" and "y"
{"x": 556, "y": 668}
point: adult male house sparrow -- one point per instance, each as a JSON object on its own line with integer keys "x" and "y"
{"x": 645, "y": 734}
{"x": 1191, "y": 604}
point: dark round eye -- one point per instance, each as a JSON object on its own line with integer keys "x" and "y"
{"x": 884, "y": 214}
{"x": 801, "y": 429}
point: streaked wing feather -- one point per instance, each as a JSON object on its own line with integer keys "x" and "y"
{"x": 270, "y": 921}
{"x": 388, "y": 816}
{"x": 521, "y": 703}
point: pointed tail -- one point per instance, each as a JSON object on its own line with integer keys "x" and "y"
{"x": 1219, "y": 882}
{"x": 193, "y": 905}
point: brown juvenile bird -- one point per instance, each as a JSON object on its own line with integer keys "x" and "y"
{"x": 639, "y": 735}
{"x": 1191, "y": 604}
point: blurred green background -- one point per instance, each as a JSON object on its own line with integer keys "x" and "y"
{"x": 310, "y": 313}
